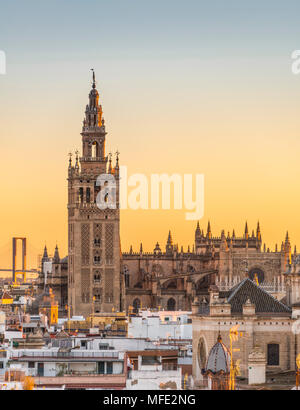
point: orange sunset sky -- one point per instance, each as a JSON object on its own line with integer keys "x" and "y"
{"x": 213, "y": 95}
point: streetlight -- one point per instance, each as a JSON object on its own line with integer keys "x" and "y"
{"x": 297, "y": 371}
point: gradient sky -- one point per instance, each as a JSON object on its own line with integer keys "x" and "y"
{"x": 186, "y": 87}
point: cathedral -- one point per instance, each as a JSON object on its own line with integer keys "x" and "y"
{"x": 97, "y": 277}
{"x": 171, "y": 278}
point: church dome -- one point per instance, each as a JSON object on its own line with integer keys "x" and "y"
{"x": 218, "y": 359}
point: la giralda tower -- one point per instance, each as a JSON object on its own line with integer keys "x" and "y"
{"x": 94, "y": 280}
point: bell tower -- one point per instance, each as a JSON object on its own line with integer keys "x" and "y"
{"x": 94, "y": 282}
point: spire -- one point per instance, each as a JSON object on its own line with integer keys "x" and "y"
{"x": 141, "y": 248}
{"x": 258, "y": 234}
{"x": 56, "y": 258}
{"x": 208, "y": 230}
{"x": 45, "y": 255}
{"x": 287, "y": 238}
{"x": 198, "y": 231}
{"x": 70, "y": 159}
{"x": 246, "y": 231}
{"x": 94, "y": 81}
{"x": 93, "y": 112}
{"x": 109, "y": 163}
{"x": 169, "y": 245}
{"x": 77, "y": 159}
{"x": 117, "y": 159}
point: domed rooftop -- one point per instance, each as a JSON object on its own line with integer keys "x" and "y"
{"x": 218, "y": 359}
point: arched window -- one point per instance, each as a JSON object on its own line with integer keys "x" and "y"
{"x": 257, "y": 273}
{"x": 273, "y": 354}
{"x": 136, "y": 305}
{"x": 88, "y": 195}
{"x": 95, "y": 150}
{"x": 171, "y": 304}
{"x": 81, "y": 195}
{"x": 97, "y": 277}
{"x": 172, "y": 285}
{"x": 126, "y": 275}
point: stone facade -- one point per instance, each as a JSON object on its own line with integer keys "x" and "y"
{"x": 266, "y": 323}
{"x": 54, "y": 275}
{"x": 94, "y": 233}
{"x": 173, "y": 278}
{"x": 101, "y": 279}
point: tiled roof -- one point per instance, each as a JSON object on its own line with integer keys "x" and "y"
{"x": 264, "y": 302}
{"x": 218, "y": 359}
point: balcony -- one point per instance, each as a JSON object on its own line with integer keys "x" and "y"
{"x": 93, "y": 159}
{"x": 76, "y": 355}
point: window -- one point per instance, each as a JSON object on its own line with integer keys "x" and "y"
{"x": 101, "y": 368}
{"x": 97, "y": 242}
{"x": 109, "y": 368}
{"x": 136, "y": 305}
{"x": 97, "y": 260}
{"x": 103, "y": 346}
{"x": 88, "y": 195}
{"x": 171, "y": 304}
{"x": 1, "y": 365}
{"x": 81, "y": 194}
{"x": 273, "y": 354}
{"x": 31, "y": 365}
{"x": 97, "y": 278}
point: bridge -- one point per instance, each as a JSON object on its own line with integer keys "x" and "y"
{"x": 16, "y": 272}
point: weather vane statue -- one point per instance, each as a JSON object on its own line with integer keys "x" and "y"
{"x": 94, "y": 80}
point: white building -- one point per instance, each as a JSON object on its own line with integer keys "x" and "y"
{"x": 154, "y": 370}
{"x": 161, "y": 325}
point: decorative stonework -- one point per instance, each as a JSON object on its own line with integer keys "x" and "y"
{"x": 85, "y": 244}
{"x": 109, "y": 243}
{"x": 94, "y": 243}
{"x": 109, "y": 285}
{"x": 85, "y": 285}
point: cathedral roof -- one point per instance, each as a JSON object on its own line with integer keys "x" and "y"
{"x": 264, "y": 302}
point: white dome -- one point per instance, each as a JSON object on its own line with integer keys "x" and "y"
{"x": 218, "y": 358}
